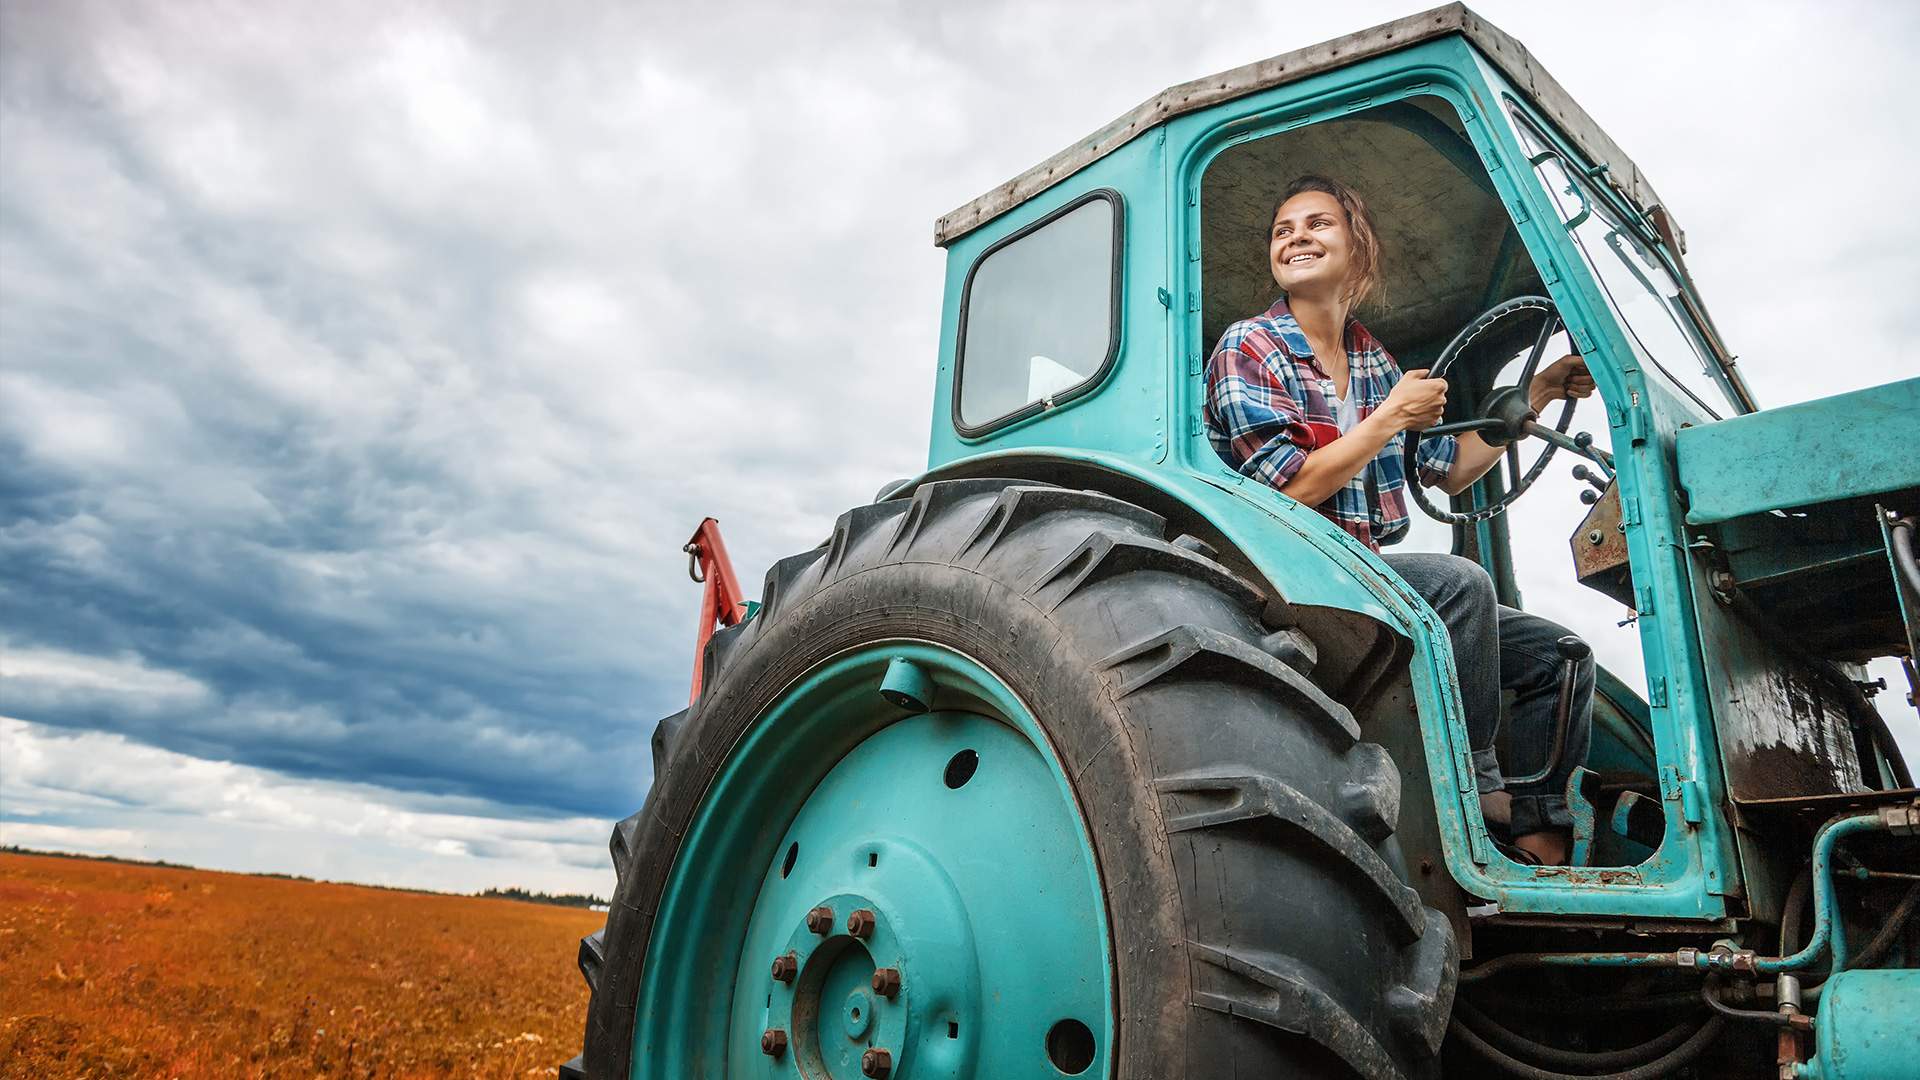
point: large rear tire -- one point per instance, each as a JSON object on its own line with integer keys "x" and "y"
{"x": 1257, "y": 917}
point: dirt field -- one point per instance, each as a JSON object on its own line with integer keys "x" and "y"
{"x": 109, "y": 969}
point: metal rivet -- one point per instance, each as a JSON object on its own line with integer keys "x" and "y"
{"x": 886, "y": 982}
{"x": 820, "y": 920}
{"x": 786, "y": 967}
{"x": 1595, "y": 536}
{"x": 860, "y": 923}
{"x": 773, "y": 1042}
{"x": 876, "y": 1063}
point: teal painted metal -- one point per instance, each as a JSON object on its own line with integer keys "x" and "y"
{"x": 907, "y": 686}
{"x": 1144, "y": 422}
{"x": 1864, "y": 442}
{"x": 1865, "y": 1030}
{"x": 835, "y": 799}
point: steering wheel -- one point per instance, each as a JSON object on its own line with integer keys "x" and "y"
{"x": 1508, "y": 418}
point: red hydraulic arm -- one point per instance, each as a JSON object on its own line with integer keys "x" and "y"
{"x": 721, "y": 602}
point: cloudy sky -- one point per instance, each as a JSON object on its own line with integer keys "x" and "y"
{"x": 362, "y": 369}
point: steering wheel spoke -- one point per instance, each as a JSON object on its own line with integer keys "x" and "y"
{"x": 1461, "y": 427}
{"x": 1514, "y": 422}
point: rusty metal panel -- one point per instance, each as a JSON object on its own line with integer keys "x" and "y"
{"x": 1600, "y": 549}
{"x": 1783, "y": 730}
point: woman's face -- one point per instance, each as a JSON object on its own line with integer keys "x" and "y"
{"x": 1311, "y": 248}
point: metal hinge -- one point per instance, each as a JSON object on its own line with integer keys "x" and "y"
{"x": 1657, "y": 691}
{"x": 1193, "y": 364}
{"x": 1688, "y": 793}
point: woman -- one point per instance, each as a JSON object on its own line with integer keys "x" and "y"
{"x": 1304, "y": 399}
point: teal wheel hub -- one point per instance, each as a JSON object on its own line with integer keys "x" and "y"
{"x": 928, "y": 872}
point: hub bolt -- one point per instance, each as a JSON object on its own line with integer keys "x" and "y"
{"x": 820, "y": 920}
{"x": 886, "y": 982}
{"x": 860, "y": 923}
{"x": 786, "y": 967}
{"x": 773, "y": 1042}
{"x": 876, "y": 1063}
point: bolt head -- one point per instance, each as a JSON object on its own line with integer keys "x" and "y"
{"x": 876, "y": 1063}
{"x": 820, "y": 920}
{"x": 773, "y": 1042}
{"x": 860, "y": 924}
{"x": 786, "y": 967}
{"x": 886, "y": 982}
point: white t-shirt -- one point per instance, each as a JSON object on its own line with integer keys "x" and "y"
{"x": 1346, "y": 412}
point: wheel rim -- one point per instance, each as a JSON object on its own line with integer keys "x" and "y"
{"x": 951, "y": 839}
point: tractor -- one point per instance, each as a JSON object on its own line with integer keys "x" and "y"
{"x": 1084, "y": 754}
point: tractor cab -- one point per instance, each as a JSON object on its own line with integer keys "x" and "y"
{"x": 1085, "y": 295}
{"x": 1084, "y": 753}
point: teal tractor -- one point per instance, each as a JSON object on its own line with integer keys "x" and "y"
{"x": 1083, "y": 754}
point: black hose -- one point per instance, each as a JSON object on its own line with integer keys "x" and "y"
{"x": 1622, "y": 1003}
{"x": 1585, "y": 1060}
{"x": 1900, "y": 532}
{"x": 1791, "y": 911}
{"x": 1662, "y": 1066}
{"x": 1882, "y": 942}
{"x": 1758, "y": 1016}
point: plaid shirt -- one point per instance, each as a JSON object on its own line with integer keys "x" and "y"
{"x": 1269, "y": 405}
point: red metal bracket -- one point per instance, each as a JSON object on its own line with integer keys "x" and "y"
{"x": 721, "y": 602}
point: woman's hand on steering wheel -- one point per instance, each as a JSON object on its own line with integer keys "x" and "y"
{"x": 1566, "y": 379}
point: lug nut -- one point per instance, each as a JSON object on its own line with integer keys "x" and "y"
{"x": 786, "y": 967}
{"x": 773, "y": 1042}
{"x": 876, "y": 1063}
{"x": 820, "y": 920}
{"x": 886, "y": 982}
{"x": 860, "y": 923}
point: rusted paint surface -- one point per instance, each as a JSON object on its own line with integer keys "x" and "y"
{"x": 1506, "y": 53}
{"x": 1783, "y": 732}
{"x": 1600, "y": 549}
{"x": 1588, "y": 875}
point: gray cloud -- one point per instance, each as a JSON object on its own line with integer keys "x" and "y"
{"x": 362, "y": 371}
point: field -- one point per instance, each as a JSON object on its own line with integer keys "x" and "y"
{"x": 119, "y": 970}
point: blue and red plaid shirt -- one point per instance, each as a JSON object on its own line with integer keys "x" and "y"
{"x": 1269, "y": 405}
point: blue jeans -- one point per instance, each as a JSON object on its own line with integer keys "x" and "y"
{"x": 1497, "y": 648}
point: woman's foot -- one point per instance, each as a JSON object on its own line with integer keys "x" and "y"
{"x": 1497, "y": 808}
{"x": 1551, "y": 847}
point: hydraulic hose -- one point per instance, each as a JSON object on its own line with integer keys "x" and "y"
{"x": 1900, "y": 533}
{"x": 1758, "y": 1016}
{"x": 1586, "y": 1061}
{"x": 1662, "y": 1066}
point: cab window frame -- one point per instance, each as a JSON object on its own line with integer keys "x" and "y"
{"x": 1604, "y": 200}
{"x": 1060, "y": 399}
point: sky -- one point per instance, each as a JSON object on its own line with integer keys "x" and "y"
{"x": 364, "y": 367}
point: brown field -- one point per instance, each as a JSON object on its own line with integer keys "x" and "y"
{"x": 112, "y": 969}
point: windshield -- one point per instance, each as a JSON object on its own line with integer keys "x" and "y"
{"x": 1643, "y": 294}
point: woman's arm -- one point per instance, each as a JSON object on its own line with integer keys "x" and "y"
{"x": 1415, "y": 402}
{"x": 1566, "y": 378}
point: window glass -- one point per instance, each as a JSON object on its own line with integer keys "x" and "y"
{"x": 1644, "y": 296}
{"x": 1038, "y": 317}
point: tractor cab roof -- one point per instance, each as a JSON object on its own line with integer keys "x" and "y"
{"x": 1495, "y": 45}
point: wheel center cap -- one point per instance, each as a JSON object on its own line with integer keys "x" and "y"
{"x": 858, "y": 1013}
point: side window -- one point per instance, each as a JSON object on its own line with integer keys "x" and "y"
{"x": 1039, "y": 318}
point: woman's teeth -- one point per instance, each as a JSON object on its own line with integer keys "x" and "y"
{"x": 1298, "y": 259}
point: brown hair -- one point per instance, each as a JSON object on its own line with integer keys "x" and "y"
{"x": 1364, "y": 277}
